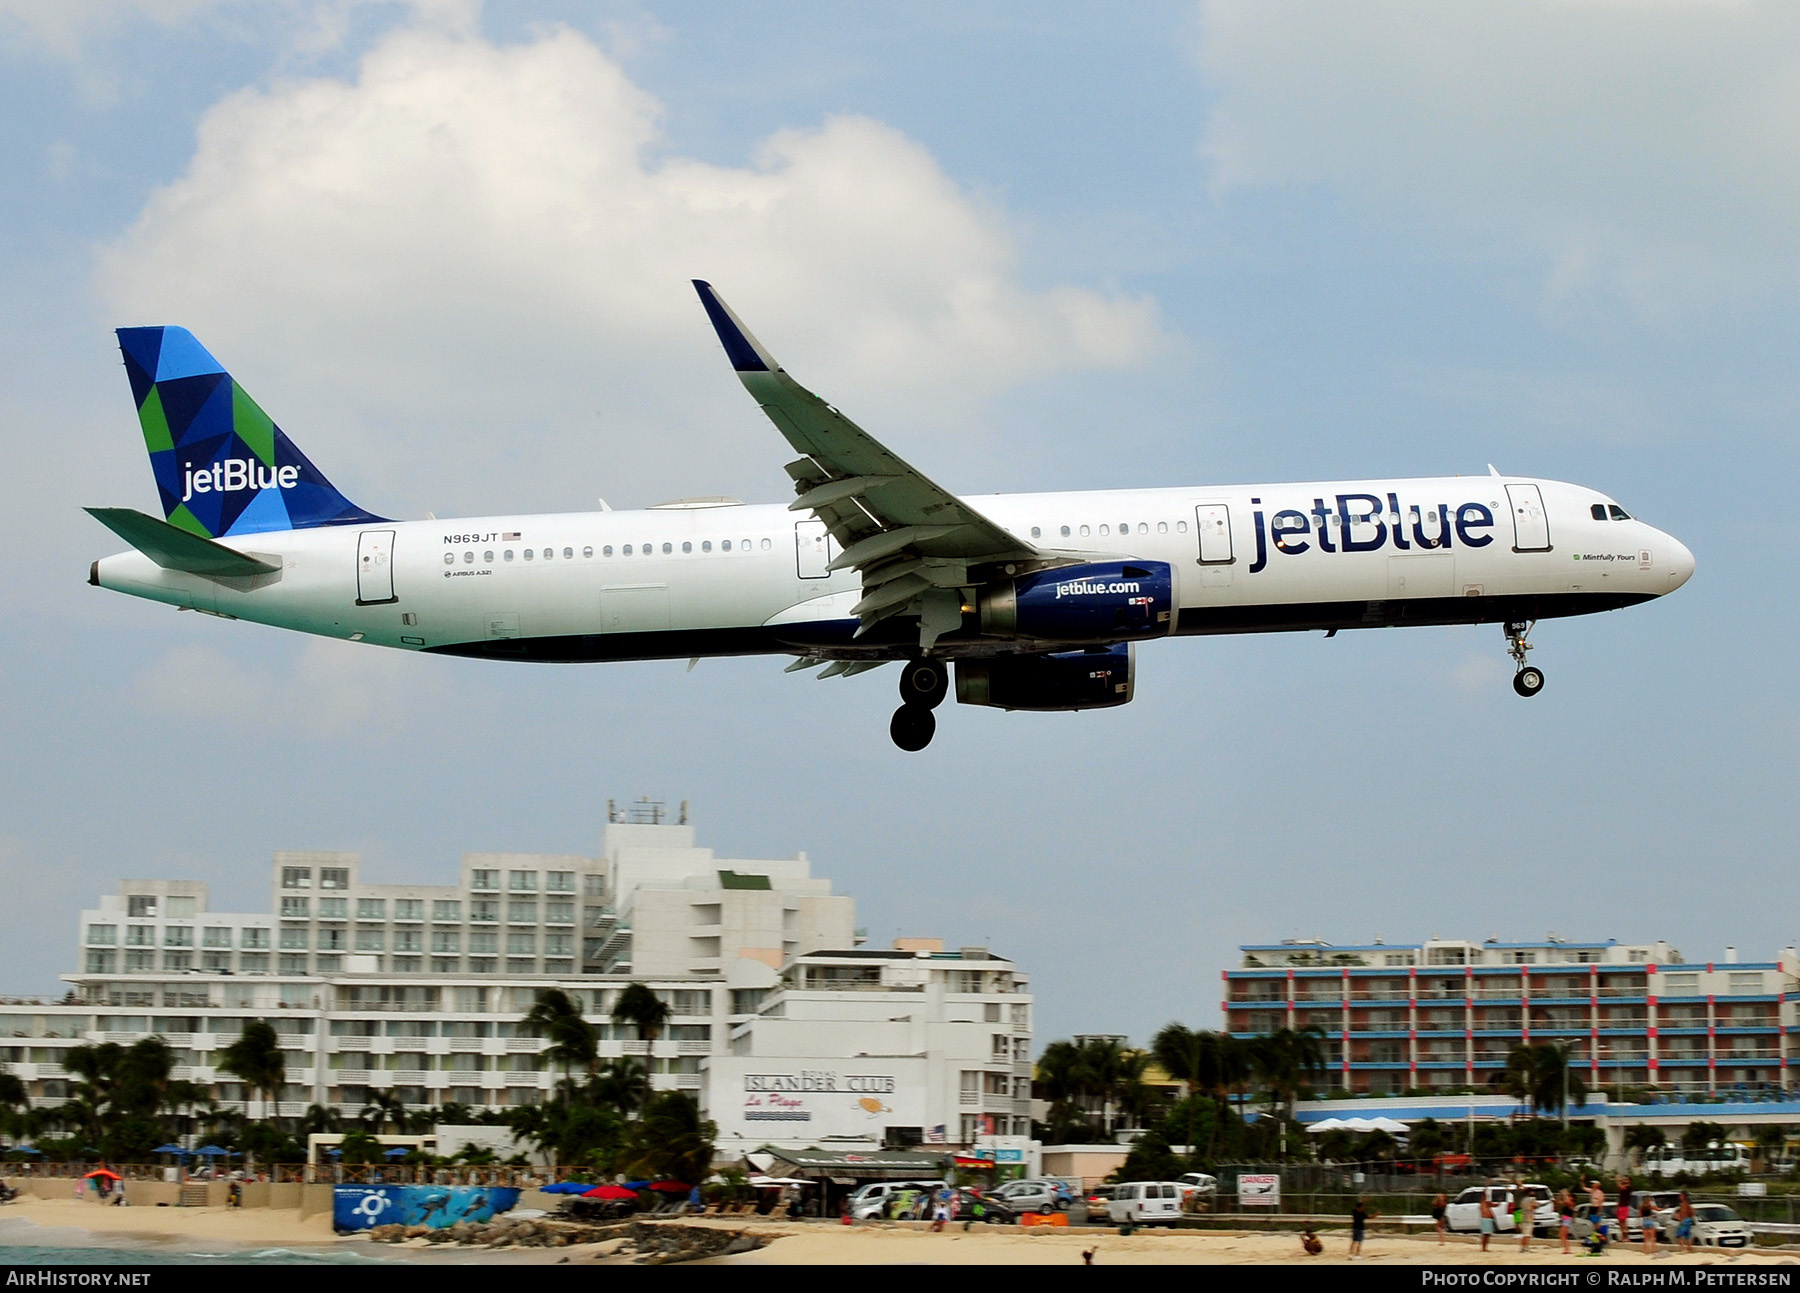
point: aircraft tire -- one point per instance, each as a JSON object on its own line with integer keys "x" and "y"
{"x": 924, "y": 683}
{"x": 1529, "y": 681}
{"x": 912, "y": 727}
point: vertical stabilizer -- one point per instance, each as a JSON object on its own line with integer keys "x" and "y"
{"x": 222, "y": 466}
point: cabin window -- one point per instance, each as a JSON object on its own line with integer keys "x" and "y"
{"x": 685, "y": 547}
{"x": 745, "y": 545}
{"x": 668, "y": 548}
{"x": 1181, "y": 527}
{"x": 1065, "y": 532}
{"x": 528, "y": 554}
{"x": 468, "y": 556}
{"x": 1084, "y": 532}
{"x": 509, "y": 554}
{"x": 1143, "y": 527}
{"x": 549, "y": 554}
{"x": 646, "y": 549}
{"x": 1035, "y": 532}
{"x": 449, "y": 558}
{"x": 627, "y": 549}
{"x": 1162, "y": 527}
{"x": 1105, "y": 529}
{"x": 706, "y": 545}
{"x": 765, "y": 545}
{"x": 725, "y": 546}
{"x": 1598, "y": 511}
{"x": 1618, "y": 513}
{"x": 488, "y": 556}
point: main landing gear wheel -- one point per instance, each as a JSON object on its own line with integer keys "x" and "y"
{"x": 1528, "y": 681}
{"x": 924, "y": 683}
{"x": 912, "y": 727}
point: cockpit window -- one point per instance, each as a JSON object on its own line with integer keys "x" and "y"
{"x": 1618, "y": 513}
{"x": 1599, "y": 511}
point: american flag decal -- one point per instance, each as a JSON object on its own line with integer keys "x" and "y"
{"x": 509, "y": 536}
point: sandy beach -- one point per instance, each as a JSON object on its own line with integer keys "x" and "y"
{"x": 62, "y": 1222}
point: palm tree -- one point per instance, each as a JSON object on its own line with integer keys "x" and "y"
{"x": 256, "y": 1058}
{"x": 320, "y": 1120}
{"x": 622, "y": 1083}
{"x": 1060, "y": 1078}
{"x": 671, "y": 1141}
{"x": 1191, "y": 1056}
{"x": 639, "y": 1006}
{"x": 573, "y": 1041}
{"x": 1538, "y": 1074}
{"x": 382, "y": 1108}
{"x": 1287, "y": 1060}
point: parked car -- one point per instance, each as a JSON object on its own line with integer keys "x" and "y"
{"x": 1717, "y": 1226}
{"x": 1096, "y": 1200}
{"x": 1035, "y": 1196}
{"x": 1464, "y": 1212}
{"x": 1664, "y": 1201}
{"x": 1198, "y": 1183}
{"x": 990, "y": 1207}
{"x": 1145, "y": 1203}
{"x": 870, "y": 1202}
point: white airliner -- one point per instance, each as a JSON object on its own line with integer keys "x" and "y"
{"x": 1039, "y": 599}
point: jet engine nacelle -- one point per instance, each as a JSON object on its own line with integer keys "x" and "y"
{"x": 1097, "y": 678}
{"x": 1101, "y": 601}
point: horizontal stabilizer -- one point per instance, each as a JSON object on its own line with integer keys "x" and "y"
{"x": 173, "y": 548}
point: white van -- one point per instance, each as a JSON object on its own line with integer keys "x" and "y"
{"x": 1464, "y": 1213}
{"x": 1145, "y": 1203}
{"x": 1666, "y": 1160}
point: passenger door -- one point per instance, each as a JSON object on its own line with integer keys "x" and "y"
{"x": 1531, "y": 524}
{"x": 1213, "y": 521}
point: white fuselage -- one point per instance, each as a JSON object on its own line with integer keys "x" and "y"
{"x": 702, "y": 580}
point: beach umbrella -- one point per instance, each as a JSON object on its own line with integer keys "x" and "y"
{"x": 168, "y": 1149}
{"x": 25, "y": 1149}
{"x": 671, "y": 1187}
{"x": 609, "y": 1192}
{"x": 1325, "y": 1124}
{"x": 398, "y": 1151}
{"x": 637, "y": 1185}
{"x": 212, "y": 1151}
{"x": 101, "y": 1171}
{"x": 567, "y": 1187}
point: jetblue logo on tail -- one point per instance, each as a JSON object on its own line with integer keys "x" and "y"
{"x": 234, "y": 474}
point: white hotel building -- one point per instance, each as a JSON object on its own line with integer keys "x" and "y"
{"x": 420, "y": 989}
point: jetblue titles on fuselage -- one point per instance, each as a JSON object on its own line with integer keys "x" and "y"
{"x": 1364, "y": 525}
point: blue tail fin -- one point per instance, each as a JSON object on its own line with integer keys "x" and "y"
{"x": 222, "y": 465}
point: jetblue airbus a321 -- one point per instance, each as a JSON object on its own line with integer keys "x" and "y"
{"x": 1039, "y": 600}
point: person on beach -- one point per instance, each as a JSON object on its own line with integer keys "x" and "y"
{"x": 1624, "y": 1209}
{"x": 1487, "y": 1217}
{"x": 1439, "y": 1207}
{"x": 1359, "y": 1223}
{"x": 1524, "y": 1209}
{"x": 1309, "y": 1242}
{"x": 1565, "y": 1216}
{"x": 1596, "y": 1193}
{"x": 1684, "y": 1224}
{"x": 1647, "y": 1218}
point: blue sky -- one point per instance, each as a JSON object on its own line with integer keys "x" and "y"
{"x": 1033, "y": 247}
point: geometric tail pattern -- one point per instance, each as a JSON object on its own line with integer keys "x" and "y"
{"x": 221, "y": 464}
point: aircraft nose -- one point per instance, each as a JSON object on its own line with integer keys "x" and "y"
{"x": 1681, "y": 563}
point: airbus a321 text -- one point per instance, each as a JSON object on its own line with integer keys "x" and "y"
{"x": 1038, "y": 601}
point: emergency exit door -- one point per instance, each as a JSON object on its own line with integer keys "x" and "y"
{"x": 375, "y": 568}
{"x": 1531, "y": 524}
{"x": 813, "y": 549}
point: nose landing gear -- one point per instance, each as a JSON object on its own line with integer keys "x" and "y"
{"x": 923, "y": 686}
{"x": 1529, "y": 680}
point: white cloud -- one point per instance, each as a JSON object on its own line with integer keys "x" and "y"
{"x": 1645, "y": 153}
{"x": 484, "y": 246}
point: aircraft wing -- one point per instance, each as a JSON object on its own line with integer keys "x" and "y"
{"x": 912, "y": 540}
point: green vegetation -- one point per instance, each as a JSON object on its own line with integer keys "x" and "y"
{"x": 123, "y": 1103}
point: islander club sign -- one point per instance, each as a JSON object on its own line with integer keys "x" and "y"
{"x": 787, "y": 1097}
